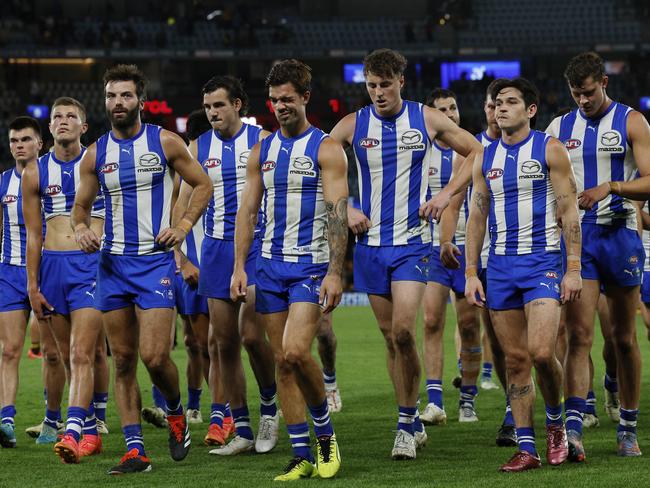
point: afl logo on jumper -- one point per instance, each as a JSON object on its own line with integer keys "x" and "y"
{"x": 531, "y": 170}
{"x": 551, "y": 275}
{"x": 150, "y": 163}
{"x": 165, "y": 281}
{"x": 9, "y": 199}
{"x": 53, "y": 190}
{"x": 610, "y": 142}
{"x": 433, "y": 171}
{"x": 368, "y": 143}
{"x": 495, "y": 173}
{"x": 109, "y": 167}
{"x": 212, "y": 163}
{"x": 303, "y": 166}
{"x": 572, "y": 144}
{"x": 411, "y": 140}
{"x": 268, "y": 166}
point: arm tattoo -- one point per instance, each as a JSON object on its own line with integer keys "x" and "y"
{"x": 482, "y": 202}
{"x": 517, "y": 392}
{"x": 337, "y": 230}
{"x": 575, "y": 233}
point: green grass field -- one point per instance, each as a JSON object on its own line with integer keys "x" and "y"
{"x": 456, "y": 455}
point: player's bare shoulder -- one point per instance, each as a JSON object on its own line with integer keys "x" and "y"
{"x": 331, "y": 153}
{"x": 343, "y": 131}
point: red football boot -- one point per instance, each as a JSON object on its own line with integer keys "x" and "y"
{"x": 521, "y": 461}
{"x": 557, "y": 448}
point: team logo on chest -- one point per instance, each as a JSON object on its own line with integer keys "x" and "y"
{"x": 212, "y": 163}
{"x": 150, "y": 163}
{"x": 531, "y": 170}
{"x": 268, "y": 166}
{"x": 411, "y": 140}
{"x": 494, "y": 173}
{"x": 610, "y": 142}
{"x": 572, "y": 144}
{"x": 107, "y": 168}
{"x": 368, "y": 143}
{"x": 433, "y": 171}
{"x": 243, "y": 160}
{"x": 302, "y": 166}
{"x": 9, "y": 199}
{"x": 53, "y": 190}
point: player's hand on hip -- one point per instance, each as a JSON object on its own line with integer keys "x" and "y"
{"x": 474, "y": 291}
{"x": 358, "y": 222}
{"x": 170, "y": 237}
{"x": 590, "y": 197}
{"x": 238, "y": 285}
{"x": 432, "y": 209}
{"x": 448, "y": 253}
{"x": 86, "y": 239}
{"x": 39, "y": 304}
{"x": 331, "y": 291}
{"x": 190, "y": 273}
{"x": 570, "y": 287}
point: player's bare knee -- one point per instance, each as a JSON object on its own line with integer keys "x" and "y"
{"x": 80, "y": 356}
{"x": 518, "y": 363}
{"x": 543, "y": 357}
{"x": 625, "y": 343}
{"x": 404, "y": 339}
{"x": 296, "y": 355}
{"x": 125, "y": 364}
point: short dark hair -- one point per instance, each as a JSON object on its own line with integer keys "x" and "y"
{"x": 583, "y": 66}
{"x": 290, "y": 71}
{"x": 71, "y": 102}
{"x": 25, "y": 122}
{"x": 385, "y": 63}
{"x": 233, "y": 86}
{"x": 128, "y": 72}
{"x": 490, "y": 87}
{"x": 439, "y": 92}
{"x": 528, "y": 91}
{"x": 197, "y": 124}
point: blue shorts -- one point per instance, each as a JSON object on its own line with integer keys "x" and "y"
{"x": 645, "y": 287}
{"x": 188, "y": 300}
{"x": 13, "y": 288}
{"x": 451, "y": 278}
{"x": 612, "y": 254}
{"x": 68, "y": 279}
{"x": 280, "y": 284}
{"x": 146, "y": 281}
{"x": 376, "y": 267}
{"x": 513, "y": 281}
{"x": 217, "y": 264}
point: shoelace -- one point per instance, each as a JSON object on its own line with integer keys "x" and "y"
{"x": 177, "y": 428}
{"x": 556, "y": 438}
{"x": 133, "y": 454}
{"x": 265, "y": 428}
{"x": 325, "y": 443}
{"x": 293, "y": 463}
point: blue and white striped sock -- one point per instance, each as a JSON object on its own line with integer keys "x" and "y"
{"x": 51, "y": 418}
{"x": 467, "y": 394}
{"x": 8, "y": 414}
{"x": 590, "y": 406}
{"x": 268, "y": 404}
{"x": 194, "y": 398}
{"x": 100, "y": 400}
{"x": 90, "y": 423}
{"x": 554, "y": 415}
{"x": 158, "y": 398}
{"x": 175, "y": 406}
{"x": 242, "y": 422}
{"x": 508, "y": 419}
{"x": 133, "y": 438}
{"x": 487, "y": 370}
{"x": 217, "y": 413}
{"x": 574, "y": 408}
{"x": 526, "y": 440}
{"x": 611, "y": 383}
{"x": 320, "y": 415}
{"x": 76, "y": 417}
{"x": 627, "y": 423}
{"x": 406, "y": 419}
{"x": 299, "y": 435}
{"x": 434, "y": 392}
{"x": 329, "y": 378}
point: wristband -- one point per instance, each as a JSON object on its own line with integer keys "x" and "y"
{"x": 471, "y": 271}
{"x": 185, "y": 225}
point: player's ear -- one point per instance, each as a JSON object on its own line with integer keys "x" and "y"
{"x": 401, "y": 82}
{"x": 306, "y": 96}
{"x": 605, "y": 81}
{"x": 532, "y": 110}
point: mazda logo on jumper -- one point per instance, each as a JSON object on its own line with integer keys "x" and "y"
{"x": 531, "y": 170}
{"x": 610, "y": 138}
{"x": 302, "y": 166}
{"x": 411, "y": 140}
{"x": 302, "y": 163}
{"x": 149, "y": 159}
{"x": 243, "y": 157}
